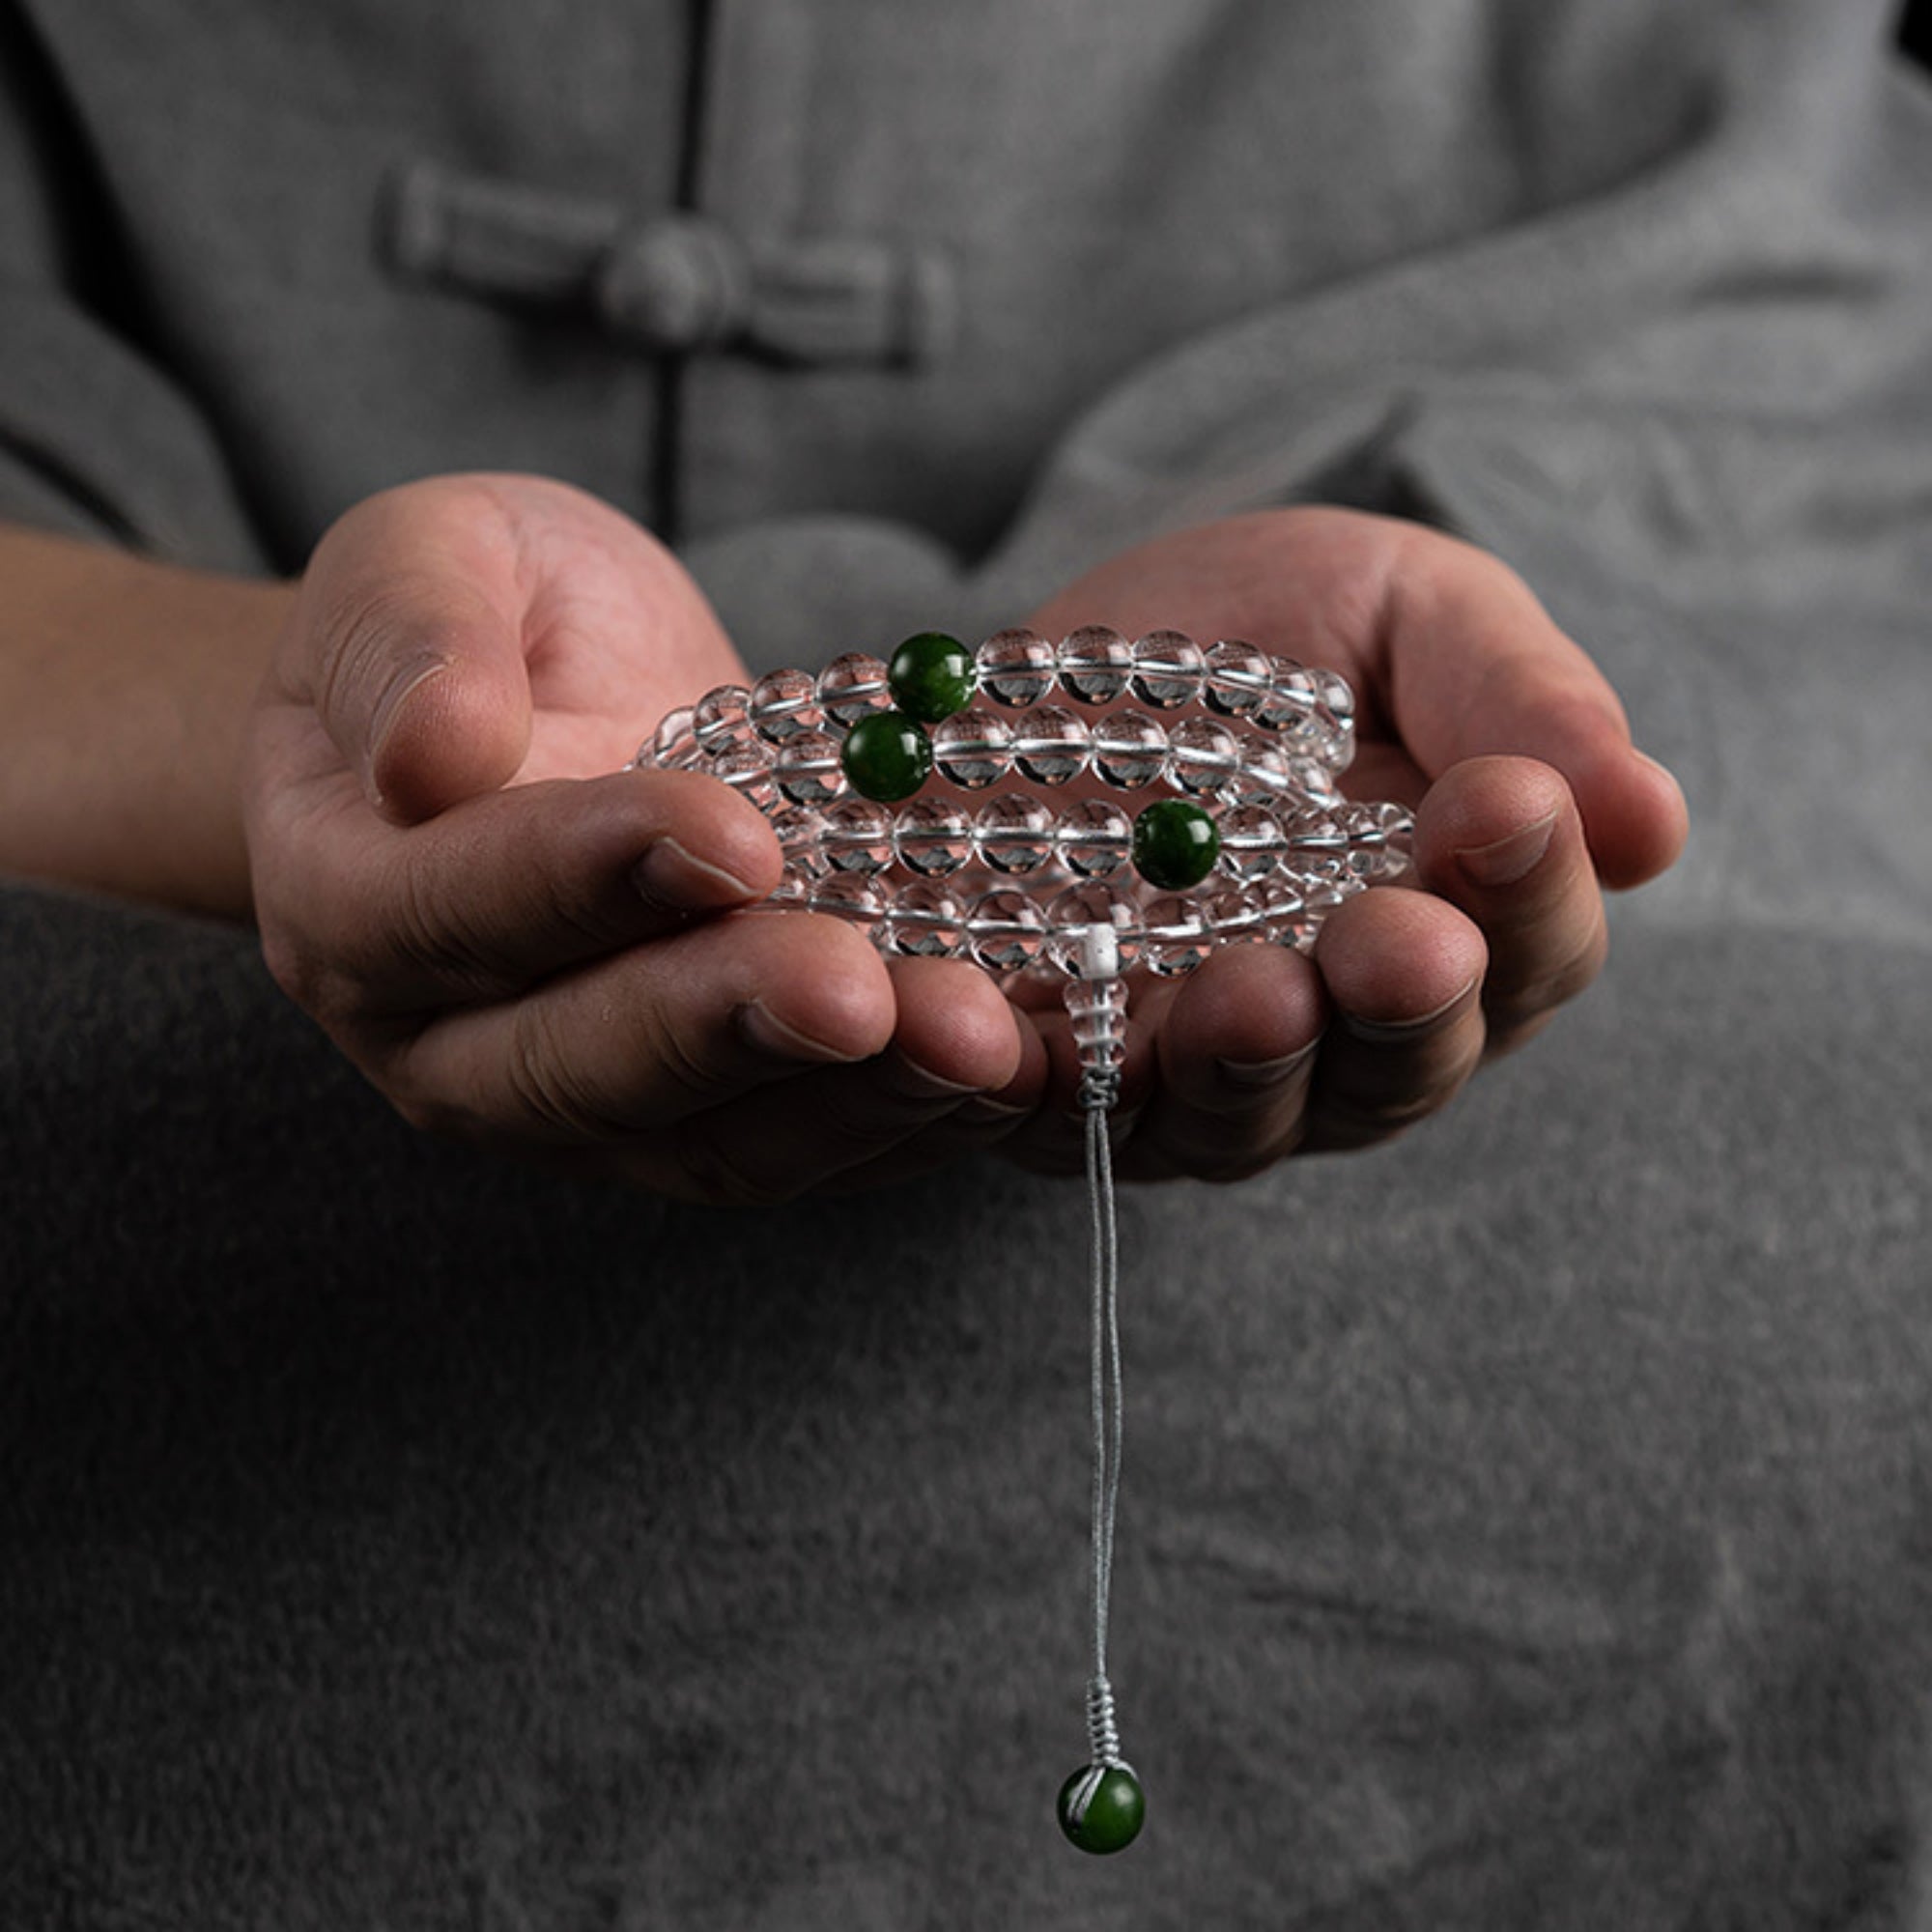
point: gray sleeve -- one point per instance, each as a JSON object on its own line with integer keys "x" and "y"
{"x": 96, "y": 439}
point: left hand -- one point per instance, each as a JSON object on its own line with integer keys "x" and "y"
{"x": 1530, "y": 800}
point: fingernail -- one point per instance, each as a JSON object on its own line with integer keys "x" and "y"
{"x": 1392, "y": 1032}
{"x": 1508, "y": 859}
{"x": 763, "y": 1030}
{"x": 668, "y": 876}
{"x": 1266, "y": 1073}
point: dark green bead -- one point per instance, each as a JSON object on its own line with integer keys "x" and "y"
{"x": 1175, "y": 843}
{"x": 931, "y": 676}
{"x": 887, "y": 756}
{"x": 1113, "y": 1814}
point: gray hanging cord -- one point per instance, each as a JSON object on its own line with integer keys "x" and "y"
{"x": 1098, "y": 1003}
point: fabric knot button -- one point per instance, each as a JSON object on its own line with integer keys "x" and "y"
{"x": 680, "y": 283}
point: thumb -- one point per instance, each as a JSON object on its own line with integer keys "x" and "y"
{"x": 406, "y": 639}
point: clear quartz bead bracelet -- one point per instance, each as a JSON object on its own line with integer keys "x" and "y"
{"x": 1070, "y": 810}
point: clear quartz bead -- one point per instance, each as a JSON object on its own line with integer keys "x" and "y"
{"x": 1052, "y": 743}
{"x": 932, "y": 837}
{"x": 1093, "y": 903}
{"x": 853, "y": 685}
{"x": 1202, "y": 754}
{"x": 1336, "y": 695}
{"x": 1130, "y": 748}
{"x": 799, "y": 831}
{"x": 1381, "y": 840}
{"x": 973, "y": 748}
{"x": 1289, "y": 705}
{"x": 783, "y": 704}
{"x": 1014, "y": 833}
{"x": 1262, "y": 773}
{"x": 1251, "y": 842}
{"x": 808, "y": 770}
{"x": 1238, "y": 678}
{"x": 791, "y": 890}
{"x": 1094, "y": 837}
{"x": 1168, "y": 667}
{"x": 1095, "y": 664}
{"x": 925, "y": 920}
{"x": 1315, "y": 844}
{"x": 847, "y": 895}
{"x": 1005, "y": 930}
{"x": 1283, "y": 913}
{"x": 858, "y": 836}
{"x": 672, "y": 744}
{"x": 1230, "y": 914}
{"x": 1176, "y": 935}
{"x": 1016, "y": 667}
{"x": 718, "y": 719}
{"x": 747, "y": 768}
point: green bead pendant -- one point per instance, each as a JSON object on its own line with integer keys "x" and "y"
{"x": 1114, "y": 1812}
{"x": 931, "y": 676}
{"x": 887, "y": 756}
{"x": 1175, "y": 843}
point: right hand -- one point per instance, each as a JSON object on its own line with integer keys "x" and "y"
{"x": 520, "y": 942}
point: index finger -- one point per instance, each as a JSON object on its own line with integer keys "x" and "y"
{"x": 1469, "y": 665}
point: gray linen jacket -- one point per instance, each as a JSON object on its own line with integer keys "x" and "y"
{"x": 1527, "y": 1525}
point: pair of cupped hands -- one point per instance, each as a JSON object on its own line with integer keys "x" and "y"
{"x": 520, "y": 941}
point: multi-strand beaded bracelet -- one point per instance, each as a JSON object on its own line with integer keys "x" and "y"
{"x": 917, "y": 798}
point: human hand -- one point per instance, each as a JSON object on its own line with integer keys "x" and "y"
{"x": 520, "y": 942}
{"x": 1529, "y": 800}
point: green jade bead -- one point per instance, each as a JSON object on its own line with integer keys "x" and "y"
{"x": 887, "y": 756}
{"x": 931, "y": 676}
{"x": 1176, "y": 844}
{"x": 1113, "y": 1814}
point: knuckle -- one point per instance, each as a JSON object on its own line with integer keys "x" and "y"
{"x": 549, "y": 1093}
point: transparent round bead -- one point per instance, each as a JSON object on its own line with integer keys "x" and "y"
{"x": 747, "y": 768}
{"x": 924, "y": 920}
{"x": 792, "y": 891}
{"x": 1168, "y": 667}
{"x": 858, "y": 836}
{"x": 1252, "y": 843}
{"x": 1289, "y": 704}
{"x": 1005, "y": 930}
{"x": 1130, "y": 748}
{"x": 1311, "y": 781}
{"x": 1315, "y": 844}
{"x": 1052, "y": 744}
{"x": 1230, "y": 914}
{"x": 719, "y": 720}
{"x": 1094, "y": 837}
{"x": 932, "y": 837}
{"x": 1322, "y": 897}
{"x": 672, "y": 744}
{"x": 1176, "y": 935}
{"x": 799, "y": 830}
{"x": 1094, "y": 903}
{"x": 973, "y": 748}
{"x": 851, "y": 686}
{"x": 1095, "y": 664}
{"x": 847, "y": 895}
{"x": 806, "y": 768}
{"x": 1381, "y": 839}
{"x": 1016, "y": 668}
{"x": 1238, "y": 679}
{"x": 1283, "y": 912}
{"x": 1014, "y": 833}
{"x": 1336, "y": 696}
{"x": 1262, "y": 773}
{"x": 1202, "y": 754}
{"x": 783, "y": 704}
